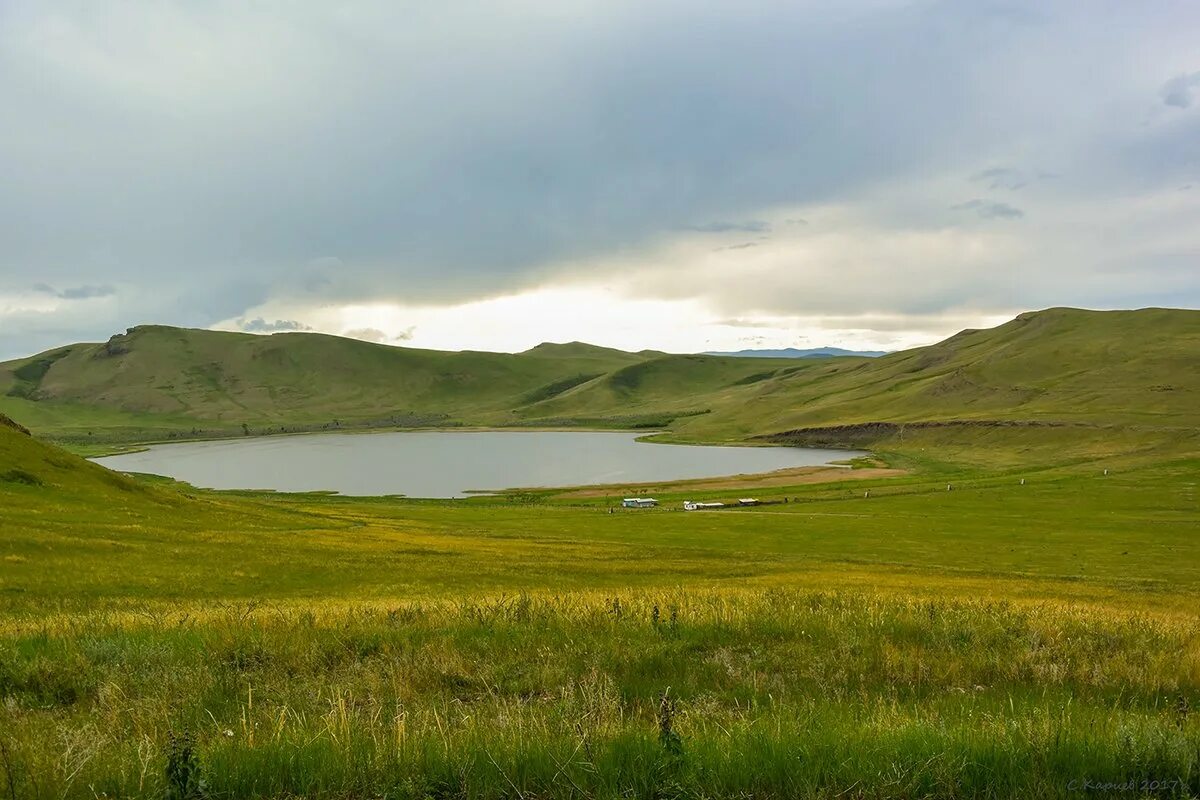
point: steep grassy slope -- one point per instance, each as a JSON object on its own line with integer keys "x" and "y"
{"x": 26, "y": 463}
{"x": 1054, "y": 366}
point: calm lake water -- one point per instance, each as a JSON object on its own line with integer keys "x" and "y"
{"x": 449, "y": 464}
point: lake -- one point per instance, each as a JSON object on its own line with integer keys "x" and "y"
{"x": 450, "y": 463}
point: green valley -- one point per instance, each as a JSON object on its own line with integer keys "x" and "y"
{"x": 1009, "y": 610}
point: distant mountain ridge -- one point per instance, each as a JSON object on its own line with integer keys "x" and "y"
{"x": 792, "y": 352}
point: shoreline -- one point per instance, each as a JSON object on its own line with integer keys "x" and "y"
{"x": 640, "y": 435}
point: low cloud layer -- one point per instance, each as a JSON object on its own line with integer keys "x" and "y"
{"x": 751, "y": 226}
{"x": 260, "y": 325}
{"x": 310, "y": 164}
{"x": 380, "y": 337}
{"x": 76, "y": 292}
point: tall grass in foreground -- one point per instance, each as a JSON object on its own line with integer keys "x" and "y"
{"x": 685, "y": 694}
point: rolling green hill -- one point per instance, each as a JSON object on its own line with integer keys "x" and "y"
{"x": 216, "y": 375}
{"x": 1048, "y": 368}
{"x": 155, "y": 379}
{"x": 1053, "y": 368}
{"x": 156, "y": 382}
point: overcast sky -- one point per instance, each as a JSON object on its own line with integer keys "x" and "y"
{"x": 678, "y": 175}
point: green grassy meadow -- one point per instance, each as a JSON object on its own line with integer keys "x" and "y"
{"x": 1012, "y": 611}
{"x": 995, "y": 640}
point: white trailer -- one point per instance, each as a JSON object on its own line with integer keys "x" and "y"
{"x": 639, "y": 502}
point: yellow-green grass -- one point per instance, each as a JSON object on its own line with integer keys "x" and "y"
{"x": 680, "y": 693}
{"x": 1134, "y": 530}
{"x": 998, "y": 639}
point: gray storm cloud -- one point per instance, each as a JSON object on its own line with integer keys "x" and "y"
{"x": 76, "y": 292}
{"x": 1001, "y": 178}
{"x": 1179, "y": 91}
{"x": 751, "y": 226}
{"x": 990, "y": 209}
{"x": 200, "y": 160}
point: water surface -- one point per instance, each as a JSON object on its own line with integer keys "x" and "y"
{"x": 450, "y": 463}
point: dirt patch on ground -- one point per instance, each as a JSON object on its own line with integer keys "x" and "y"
{"x": 783, "y": 477}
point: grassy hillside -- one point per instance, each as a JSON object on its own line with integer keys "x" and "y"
{"x": 155, "y": 381}
{"x": 52, "y": 501}
{"x": 28, "y": 463}
{"x": 1047, "y": 369}
{"x": 157, "y": 378}
{"x": 1139, "y": 368}
{"x": 667, "y": 385}
{"x": 1054, "y": 367}
{"x": 1000, "y": 640}
{"x": 303, "y": 376}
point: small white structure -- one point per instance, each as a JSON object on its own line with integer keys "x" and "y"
{"x": 639, "y": 502}
{"x": 748, "y": 501}
{"x": 688, "y": 505}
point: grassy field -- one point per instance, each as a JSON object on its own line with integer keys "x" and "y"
{"x": 1001, "y": 639}
{"x": 1007, "y": 609}
{"x": 669, "y": 693}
